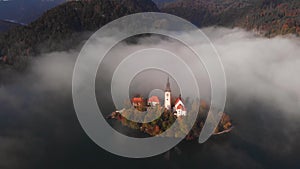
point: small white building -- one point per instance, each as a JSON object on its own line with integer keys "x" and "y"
{"x": 153, "y": 101}
{"x": 137, "y": 102}
{"x": 179, "y": 107}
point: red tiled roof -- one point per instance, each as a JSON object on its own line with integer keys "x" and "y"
{"x": 153, "y": 99}
{"x": 177, "y": 100}
{"x": 137, "y": 99}
{"x": 179, "y": 106}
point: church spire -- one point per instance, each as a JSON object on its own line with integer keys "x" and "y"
{"x": 168, "y": 87}
{"x": 168, "y": 95}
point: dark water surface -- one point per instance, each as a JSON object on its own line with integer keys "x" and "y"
{"x": 39, "y": 129}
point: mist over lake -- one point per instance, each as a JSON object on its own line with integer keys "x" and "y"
{"x": 39, "y": 127}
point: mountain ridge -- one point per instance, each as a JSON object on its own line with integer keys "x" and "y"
{"x": 63, "y": 27}
{"x": 66, "y": 22}
{"x": 269, "y": 17}
{"x": 7, "y": 24}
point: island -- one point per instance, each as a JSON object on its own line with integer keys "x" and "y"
{"x": 165, "y": 116}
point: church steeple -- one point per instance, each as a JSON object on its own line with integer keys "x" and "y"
{"x": 168, "y": 95}
{"x": 168, "y": 87}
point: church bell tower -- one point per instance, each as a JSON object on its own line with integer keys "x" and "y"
{"x": 168, "y": 95}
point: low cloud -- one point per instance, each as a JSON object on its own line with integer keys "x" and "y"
{"x": 39, "y": 125}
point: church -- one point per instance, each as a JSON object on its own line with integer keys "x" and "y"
{"x": 179, "y": 108}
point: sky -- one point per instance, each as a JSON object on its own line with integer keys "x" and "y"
{"x": 25, "y": 11}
